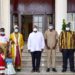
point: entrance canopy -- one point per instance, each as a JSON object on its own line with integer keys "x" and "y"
{"x": 31, "y": 6}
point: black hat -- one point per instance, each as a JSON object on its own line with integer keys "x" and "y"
{"x": 68, "y": 25}
{"x": 50, "y": 24}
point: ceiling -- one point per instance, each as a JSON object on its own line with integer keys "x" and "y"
{"x": 15, "y": 3}
{"x": 30, "y": 1}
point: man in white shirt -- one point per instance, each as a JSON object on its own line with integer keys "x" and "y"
{"x": 35, "y": 47}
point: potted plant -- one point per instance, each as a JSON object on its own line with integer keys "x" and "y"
{"x": 64, "y": 25}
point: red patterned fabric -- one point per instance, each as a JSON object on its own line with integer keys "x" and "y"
{"x": 2, "y": 62}
{"x": 18, "y": 59}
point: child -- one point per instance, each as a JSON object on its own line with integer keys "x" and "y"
{"x": 10, "y": 68}
{"x": 2, "y": 62}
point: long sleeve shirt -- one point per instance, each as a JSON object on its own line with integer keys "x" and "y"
{"x": 36, "y": 41}
{"x": 66, "y": 40}
{"x": 51, "y": 37}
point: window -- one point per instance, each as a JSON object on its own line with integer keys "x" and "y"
{"x": 38, "y": 21}
{"x": 71, "y": 19}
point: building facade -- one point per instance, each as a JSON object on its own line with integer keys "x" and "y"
{"x": 27, "y": 13}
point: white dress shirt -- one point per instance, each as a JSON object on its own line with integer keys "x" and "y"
{"x": 36, "y": 41}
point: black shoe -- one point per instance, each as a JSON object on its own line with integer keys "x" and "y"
{"x": 33, "y": 70}
{"x": 54, "y": 70}
{"x": 37, "y": 70}
{"x": 18, "y": 70}
{"x": 48, "y": 70}
{"x": 72, "y": 70}
{"x": 63, "y": 70}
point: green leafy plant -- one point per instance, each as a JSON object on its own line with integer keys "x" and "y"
{"x": 64, "y": 25}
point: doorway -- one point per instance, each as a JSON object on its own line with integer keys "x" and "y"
{"x": 28, "y": 21}
{"x": 26, "y": 26}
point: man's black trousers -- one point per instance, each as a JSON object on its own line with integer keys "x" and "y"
{"x": 36, "y": 57}
{"x": 68, "y": 54}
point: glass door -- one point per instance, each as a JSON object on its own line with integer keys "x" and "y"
{"x": 43, "y": 21}
{"x": 38, "y": 21}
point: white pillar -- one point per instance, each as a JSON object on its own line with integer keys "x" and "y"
{"x": 60, "y": 13}
{"x": 5, "y": 15}
{"x": 0, "y": 14}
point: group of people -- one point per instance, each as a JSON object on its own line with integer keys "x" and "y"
{"x": 65, "y": 41}
{"x": 10, "y": 51}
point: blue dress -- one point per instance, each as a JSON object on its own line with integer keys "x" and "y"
{"x": 10, "y": 68}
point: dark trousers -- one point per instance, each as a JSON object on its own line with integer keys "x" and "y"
{"x": 36, "y": 57}
{"x": 68, "y": 54}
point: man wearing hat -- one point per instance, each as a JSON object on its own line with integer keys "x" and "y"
{"x": 66, "y": 44}
{"x": 17, "y": 44}
{"x": 51, "y": 38}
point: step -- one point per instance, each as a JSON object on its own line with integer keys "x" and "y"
{"x": 45, "y": 73}
{"x": 28, "y": 59}
{"x": 45, "y": 50}
{"x": 26, "y": 50}
{"x": 59, "y": 68}
{"x": 43, "y": 54}
{"x": 28, "y": 63}
{"x": 28, "y": 69}
{"x": 42, "y": 64}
